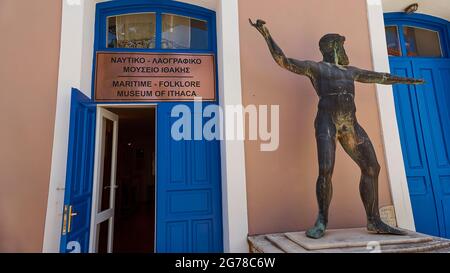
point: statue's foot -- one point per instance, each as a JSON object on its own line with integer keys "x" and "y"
{"x": 317, "y": 232}
{"x": 378, "y": 226}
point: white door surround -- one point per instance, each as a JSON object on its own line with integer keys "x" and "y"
{"x": 75, "y": 70}
{"x": 386, "y": 105}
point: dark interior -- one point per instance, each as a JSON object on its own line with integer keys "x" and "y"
{"x": 134, "y": 224}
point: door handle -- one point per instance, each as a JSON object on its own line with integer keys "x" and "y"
{"x": 109, "y": 187}
{"x": 71, "y": 214}
{"x": 67, "y": 219}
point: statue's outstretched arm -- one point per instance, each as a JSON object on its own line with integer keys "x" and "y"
{"x": 296, "y": 66}
{"x": 366, "y": 76}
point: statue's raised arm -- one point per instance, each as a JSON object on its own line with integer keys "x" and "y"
{"x": 366, "y": 76}
{"x": 296, "y": 66}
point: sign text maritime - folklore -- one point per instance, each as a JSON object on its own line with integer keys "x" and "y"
{"x": 165, "y": 84}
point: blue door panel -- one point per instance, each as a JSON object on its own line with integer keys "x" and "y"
{"x": 434, "y": 109}
{"x": 413, "y": 147}
{"x": 446, "y": 209}
{"x": 79, "y": 175}
{"x": 189, "y": 217}
{"x": 203, "y": 236}
{"x": 434, "y": 113}
{"x": 444, "y": 74}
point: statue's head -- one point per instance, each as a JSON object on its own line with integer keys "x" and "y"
{"x": 332, "y": 48}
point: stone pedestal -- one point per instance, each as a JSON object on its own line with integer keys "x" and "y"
{"x": 357, "y": 240}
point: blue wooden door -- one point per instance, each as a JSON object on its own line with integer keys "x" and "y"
{"x": 78, "y": 195}
{"x": 424, "y": 124}
{"x": 189, "y": 216}
{"x": 434, "y": 109}
{"x": 414, "y": 151}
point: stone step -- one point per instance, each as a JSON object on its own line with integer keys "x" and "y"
{"x": 356, "y": 237}
{"x": 259, "y": 244}
{"x": 347, "y": 241}
{"x": 285, "y": 244}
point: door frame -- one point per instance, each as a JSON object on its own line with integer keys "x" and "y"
{"x": 159, "y": 7}
{"x": 97, "y": 154}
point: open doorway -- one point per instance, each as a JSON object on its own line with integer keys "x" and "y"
{"x": 131, "y": 229}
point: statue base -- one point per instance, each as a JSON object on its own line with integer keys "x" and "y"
{"x": 355, "y": 240}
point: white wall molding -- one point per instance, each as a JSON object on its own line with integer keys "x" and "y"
{"x": 386, "y": 105}
{"x": 75, "y": 70}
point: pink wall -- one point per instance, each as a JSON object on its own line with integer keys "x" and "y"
{"x": 281, "y": 184}
{"x": 28, "y": 75}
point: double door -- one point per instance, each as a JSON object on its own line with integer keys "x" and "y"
{"x": 188, "y": 184}
{"x": 423, "y": 115}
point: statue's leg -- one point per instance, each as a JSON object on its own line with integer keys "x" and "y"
{"x": 326, "y": 147}
{"x": 358, "y": 145}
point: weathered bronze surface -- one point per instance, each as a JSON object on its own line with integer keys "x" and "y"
{"x": 334, "y": 82}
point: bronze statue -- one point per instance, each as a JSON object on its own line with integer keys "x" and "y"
{"x": 333, "y": 80}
